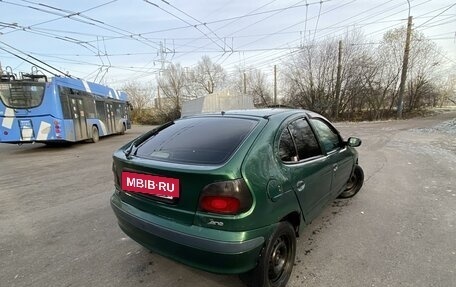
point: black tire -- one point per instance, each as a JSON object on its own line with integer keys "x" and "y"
{"x": 52, "y": 144}
{"x": 95, "y": 135}
{"x": 58, "y": 144}
{"x": 124, "y": 129}
{"x": 354, "y": 184}
{"x": 276, "y": 260}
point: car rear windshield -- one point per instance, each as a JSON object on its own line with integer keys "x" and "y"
{"x": 206, "y": 140}
{"x": 21, "y": 95}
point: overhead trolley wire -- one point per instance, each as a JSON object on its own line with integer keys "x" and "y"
{"x": 185, "y": 21}
{"x": 275, "y": 12}
{"x": 188, "y": 15}
{"x": 280, "y": 49}
{"x": 318, "y": 19}
{"x": 72, "y": 15}
{"x": 34, "y": 58}
{"x": 352, "y": 17}
{"x": 448, "y": 8}
{"x": 280, "y": 53}
{"x": 30, "y": 62}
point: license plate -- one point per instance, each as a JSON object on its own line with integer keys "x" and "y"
{"x": 166, "y": 187}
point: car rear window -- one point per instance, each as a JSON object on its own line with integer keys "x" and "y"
{"x": 209, "y": 140}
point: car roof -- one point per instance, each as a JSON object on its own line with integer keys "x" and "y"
{"x": 260, "y": 113}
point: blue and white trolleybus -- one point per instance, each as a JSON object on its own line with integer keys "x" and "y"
{"x": 33, "y": 109}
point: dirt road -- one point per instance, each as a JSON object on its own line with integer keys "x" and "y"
{"x": 57, "y": 228}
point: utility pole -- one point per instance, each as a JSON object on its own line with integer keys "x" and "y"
{"x": 275, "y": 85}
{"x": 245, "y": 83}
{"x": 162, "y": 63}
{"x": 338, "y": 82}
{"x": 158, "y": 97}
{"x": 400, "y": 101}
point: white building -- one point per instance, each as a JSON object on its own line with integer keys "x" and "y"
{"x": 217, "y": 102}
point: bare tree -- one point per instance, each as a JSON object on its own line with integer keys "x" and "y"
{"x": 172, "y": 84}
{"x": 310, "y": 77}
{"x": 207, "y": 77}
{"x": 256, "y": 85}
{"x": 259, "y": 88}
{"x": 448, "y": 90}
{"x": 140, "y": 98}
{"x": 424, "y": 61}
{"x": 356, "y": 63}
{"x": 369, "y": 76}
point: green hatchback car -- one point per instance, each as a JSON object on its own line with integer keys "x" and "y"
{"x": 230, "y": 192}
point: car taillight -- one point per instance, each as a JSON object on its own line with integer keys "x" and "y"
{"x": 220, "y": 204}
{"x": 226, "y": 197}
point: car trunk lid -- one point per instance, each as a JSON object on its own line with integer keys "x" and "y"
{"x": 166, "y": 190}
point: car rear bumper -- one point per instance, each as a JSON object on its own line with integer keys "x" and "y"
{"x": 199, "y": 247}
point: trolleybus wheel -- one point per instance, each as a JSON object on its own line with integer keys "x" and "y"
{"x": 122, "y": 132}
{"x": 95, "y": 135}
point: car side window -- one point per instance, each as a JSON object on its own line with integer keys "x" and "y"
{"x": 298, "y": 142}
{"x": 306, "y": 143}
{"x": 287, "y": 149}
{"x": 329, "y": 138}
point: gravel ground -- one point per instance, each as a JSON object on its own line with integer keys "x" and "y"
{"x": 448, "y": 127}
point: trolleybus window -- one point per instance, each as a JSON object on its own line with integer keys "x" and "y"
{"x": 21, "y": 95}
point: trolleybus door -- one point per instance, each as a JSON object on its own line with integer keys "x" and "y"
{"x": 110, "y": 118}
{"x": 79, "y": 119}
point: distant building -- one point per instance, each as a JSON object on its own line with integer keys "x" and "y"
{"x": 217, "y": 102}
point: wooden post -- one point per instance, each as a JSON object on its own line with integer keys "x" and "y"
{"x": 338, "y": 82}
{"x": 245, "y": 83}
{"x": 275, "y": 85}
{"x": 400, "y": 101}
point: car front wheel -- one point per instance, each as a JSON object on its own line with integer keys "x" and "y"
{"x": 276, "y": 260}
{"x": 354, "y": 184}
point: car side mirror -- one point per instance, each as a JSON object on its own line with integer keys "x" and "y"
{"x": 354, "y": 142}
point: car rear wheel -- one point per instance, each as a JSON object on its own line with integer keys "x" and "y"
{"x": 276, "y": 260}
{"x": 354, "y": 184}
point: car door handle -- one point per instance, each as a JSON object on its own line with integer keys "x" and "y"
{"x": 300, "y": 185}
{"x": 335, "y": 167}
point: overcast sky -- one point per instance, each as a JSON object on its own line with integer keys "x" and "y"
{"x": 118, "y": 41}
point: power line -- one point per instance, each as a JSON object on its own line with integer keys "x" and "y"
{"x": 204, "y": 24}
{"x": 370, "y": 17}
{"x": 280, "y": 55}
{"x": 438, "y": 25}
{"x": 276, "y": 11}
{"x": 25, "y": 60}
{"x": 185, "y": 21}
{"x": 62, "y": 17}
{"x": 34, "y": 58}
{"x": 37, "y": 30}
{"x": 448, "y": 8}
{"x": 318, "y": 19}
{"x": 300, "y": 22}
{"x": 277, "y": 52}
{"x": 248, "y": 15}
{"x": 28, "y": 29}
{"x": 73, "y": 15}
